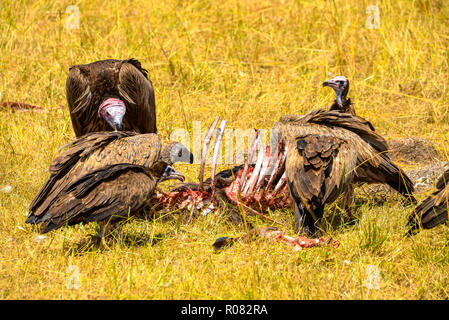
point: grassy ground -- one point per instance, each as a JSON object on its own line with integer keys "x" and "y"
{"x": 249, "y": 62}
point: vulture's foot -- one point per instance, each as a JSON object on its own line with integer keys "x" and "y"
{"x": 98, "y": 241}
{"x": 108, "y": 229}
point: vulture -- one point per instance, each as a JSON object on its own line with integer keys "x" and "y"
{"x": 103, "y": 176}
{"x": 433, "y": 210}
{"x": 111, "y": 95}
{"x": 330, "y": 150}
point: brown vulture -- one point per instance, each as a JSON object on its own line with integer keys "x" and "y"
{"x": 328, "y": 151}
{"x": 433, "y": 210}
{"x": 111, "y": 95}
{"x": 103, "y": 175}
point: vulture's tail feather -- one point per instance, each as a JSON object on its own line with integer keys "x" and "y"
{"x": 427, "y": 215}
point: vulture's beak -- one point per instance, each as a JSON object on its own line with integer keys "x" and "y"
{"x": 113, "y": 110}
{"x": 117, "y": 119}
{"x": 334, "y": 85}
{"x": 117, "y": 125}
{"x": 330, "y": 83}
{"x": 171, "y": 173}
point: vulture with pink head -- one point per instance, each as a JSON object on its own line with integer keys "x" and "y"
{"x": 111, "y": 95}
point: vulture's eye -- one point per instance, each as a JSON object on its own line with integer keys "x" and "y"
{"x": 180, "y": 153}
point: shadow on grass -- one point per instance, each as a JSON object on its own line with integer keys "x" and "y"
{"x": 123, "y": 240}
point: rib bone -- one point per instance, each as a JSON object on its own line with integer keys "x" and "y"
{"x": 268, "y": 159}
{"x": 249, "y": 157}
{"x": 206, "y": 143}
{"x": 277, "y": 165}
{"x": 279, "y": 184}
{"x": 255, "y": 174}
{"x": 217, "y": 146}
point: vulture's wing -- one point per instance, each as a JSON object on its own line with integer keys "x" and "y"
{"x": 443, "y": 181}
{"x": 296, "y": 119}
{"x": 79, "y": 97}
{"x": 381, "y": 169}
{"x": 356, "y": 124}
{"x": 84, "y": 146}
{"x": 137, "y": 91}
{"x": 287, "y": 128}
{"x": 64, "y": 162}
{"x": 317, "y": 168}
{"x": 373, "y": 164}
{"x": 340, "y": 119}
{"x": 116, "y": 190}
{"x": 433, "y": 210}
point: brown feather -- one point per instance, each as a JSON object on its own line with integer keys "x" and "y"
{"x": 103, "y": 194}
{"x": 317, "y": 176}
{"x": 90, "y": 153}
{"x": 103, "y": 176}
{"x": 318, "y": 169}
{"x": 373, "y": 162}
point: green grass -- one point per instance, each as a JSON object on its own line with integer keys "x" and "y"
{"x": 249, "y": 62}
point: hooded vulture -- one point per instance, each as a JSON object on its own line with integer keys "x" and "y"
{"x": 328, "y": 151}
{"x": 111, "y": 95}
{"x": 103, "y": 175}
{"x": 432, "y": 211}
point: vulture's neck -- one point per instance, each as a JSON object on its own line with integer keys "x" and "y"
{"x": 345, "y": 107}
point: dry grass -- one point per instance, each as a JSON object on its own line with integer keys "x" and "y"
{"x": 249, "y": 62}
